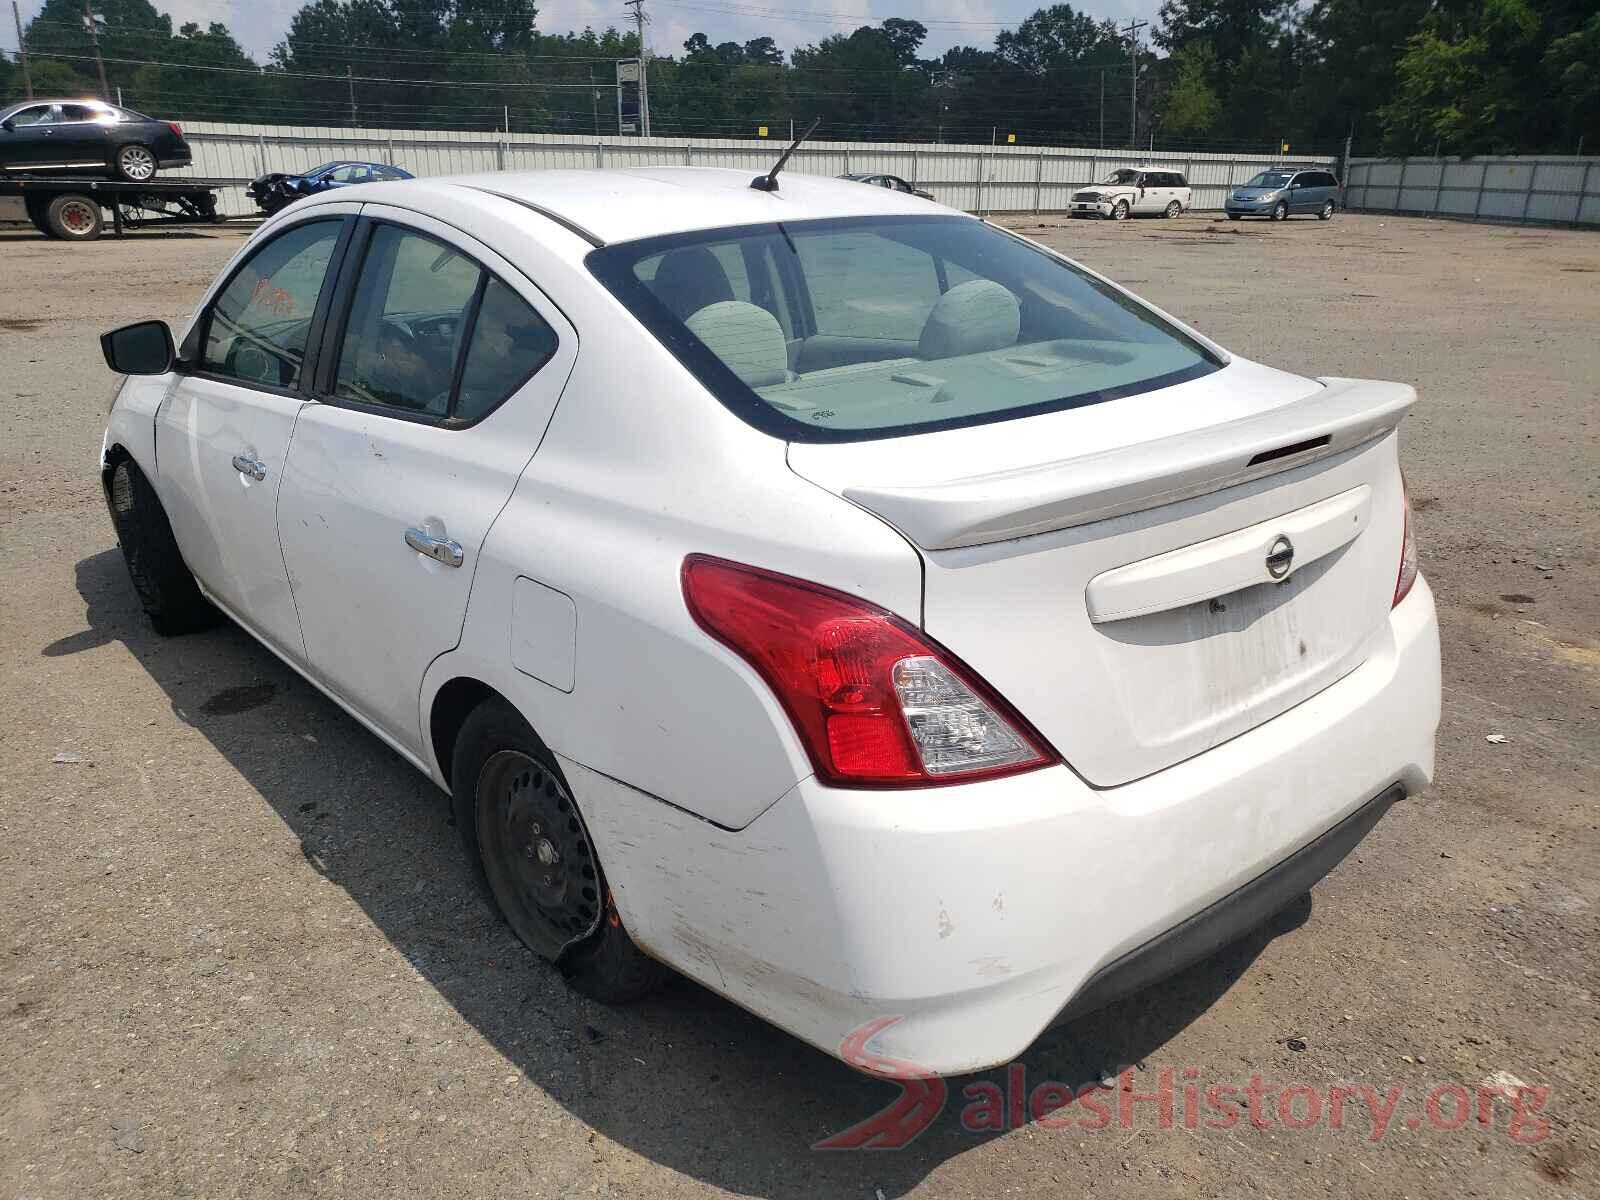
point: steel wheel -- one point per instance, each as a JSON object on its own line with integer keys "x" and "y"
{"x": 76, "y": 218}
{"x": 536, "y": 854}
{"x": 1174, "y": 210}
{"x": 136, "y": 164}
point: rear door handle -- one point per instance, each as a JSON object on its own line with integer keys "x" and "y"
{"x": 440, "y": 549}
{"x": 252, "y": 467}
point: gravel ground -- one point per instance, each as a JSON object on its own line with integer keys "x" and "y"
{"x": 240, "y": 955}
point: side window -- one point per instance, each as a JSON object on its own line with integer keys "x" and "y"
{"x": 256, "y": 329}
{"x": 407, "y": 316}
{"x": 76, "y": 114}
{"x": 864, "y": 285}
{"x": 509, "y": 343}
{"x": 1178, "y": 180}
{"x": 39, "y": 114}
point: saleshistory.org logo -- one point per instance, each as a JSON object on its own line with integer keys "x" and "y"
{"x": 1173, "y": 1098}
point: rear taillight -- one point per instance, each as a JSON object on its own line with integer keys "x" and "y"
{"x": 875, "y": 703}
{"x": 177, "y": 130}
{"x": 1408, "y": 551}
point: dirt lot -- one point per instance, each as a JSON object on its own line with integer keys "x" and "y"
{"x": 239, "y": 954}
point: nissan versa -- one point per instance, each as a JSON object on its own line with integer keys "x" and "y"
{"x": 832, "y": 597}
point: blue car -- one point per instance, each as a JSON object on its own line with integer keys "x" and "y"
{"x": 1280, "y": 194}
{"x": 278, "y": 190}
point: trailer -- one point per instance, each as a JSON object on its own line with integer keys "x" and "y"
{"x": 72, "y": 207}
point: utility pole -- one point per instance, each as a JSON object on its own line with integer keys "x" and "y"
{"x": 1133, "y": 59}
{"x": 92, "y": 24}
{"x": 1102, "y": 109}
{"x": 594, "y": 102}
{"x": 639, "y": 18}
{"x": 22, "y": 52}
{"x": 350, "y": 79}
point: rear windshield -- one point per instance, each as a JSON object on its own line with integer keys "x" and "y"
{"x": 868, "y": 327}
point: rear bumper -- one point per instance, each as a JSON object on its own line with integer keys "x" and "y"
{"x": 1230, "y": 918}
{"x": 978, "y": 915}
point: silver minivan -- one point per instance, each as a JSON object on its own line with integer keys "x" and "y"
{"x": 1282, "y": 193}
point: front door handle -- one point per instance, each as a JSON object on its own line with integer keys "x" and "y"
{"x": 438, "y": 548}
{"x": 252, "y": 467}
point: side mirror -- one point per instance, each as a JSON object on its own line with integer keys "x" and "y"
{"x": 141, "y": 349}
{"x": 8, "y": 125}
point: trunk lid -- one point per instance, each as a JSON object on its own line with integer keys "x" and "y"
{"x": 1148, "y": 577}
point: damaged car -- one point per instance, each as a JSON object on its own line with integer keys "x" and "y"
{"x": 885, "y": 620}
{"x": 277, "y": 190}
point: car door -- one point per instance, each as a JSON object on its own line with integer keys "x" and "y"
{"x": 1149, "y": 196}
{"x": 29, "y": 142}
{"x": 441, "y": 372}
{"x": 1303, "y": 193}
{"x": 82, "y": 135}
{"x": 223, "y": 432}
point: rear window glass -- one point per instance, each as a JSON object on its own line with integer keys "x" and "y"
{"x": 883, "y": 326}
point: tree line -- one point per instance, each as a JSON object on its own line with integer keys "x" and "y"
{"x": 1399, "y": 76}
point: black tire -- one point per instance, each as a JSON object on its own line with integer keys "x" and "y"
{"x": 134, "y": 162}
{"x": 167, "y": 591}
{"x": 1174, "y": 211}
{"x": 1234, "y": 216}
{"x": 1280, "y": 211}
{"x": 36, "y": 208}
{"x": 1326, "y": 214}
{"x": 495, "y": 744}
{"x": 73, "y": 217}
{"x": 1119, "y": 211}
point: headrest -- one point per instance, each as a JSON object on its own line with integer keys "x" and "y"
{"x": 970, "y": 318}
{"x": 747, "y": 338}
{"x": 689, "y": 279}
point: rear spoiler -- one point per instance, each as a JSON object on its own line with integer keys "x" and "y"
{"x": 1077, "y": 491}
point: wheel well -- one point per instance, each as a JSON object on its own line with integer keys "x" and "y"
{"x": 115, "y": 455}
{"x": 451, "y": 705}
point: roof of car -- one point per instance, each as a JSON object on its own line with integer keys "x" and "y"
{"x": 625, "y": 205}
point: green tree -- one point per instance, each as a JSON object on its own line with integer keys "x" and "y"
{"x": 1190, "y": 107}
{"x": 133, "y": 32}
{"x": 1572, "y": 62}
{"x": 1467, "y": 81}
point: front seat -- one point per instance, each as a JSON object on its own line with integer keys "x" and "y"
{"x": 970, "y": 318}
{"x": 690, "y": 279}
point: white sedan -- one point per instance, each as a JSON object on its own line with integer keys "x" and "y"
{"x": 840, "y": 600}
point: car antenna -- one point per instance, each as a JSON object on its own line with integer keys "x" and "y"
{"x": 769, "y": 181}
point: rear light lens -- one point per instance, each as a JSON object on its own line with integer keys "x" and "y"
{"x": 176, "y": 128}
{"x": 1408, "y": 552}
{"x": 875, "y": 703}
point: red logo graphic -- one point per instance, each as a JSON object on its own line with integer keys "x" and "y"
{"x": 921, "y": 1098}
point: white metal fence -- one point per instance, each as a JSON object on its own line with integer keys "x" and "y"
{"x": 975, "y": 178}
{"x": 1546, "y": 190}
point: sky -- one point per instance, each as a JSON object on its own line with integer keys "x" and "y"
{"x": 260, "y": 24}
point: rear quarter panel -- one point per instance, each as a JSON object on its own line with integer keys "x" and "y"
{"x": 639, "y": 468}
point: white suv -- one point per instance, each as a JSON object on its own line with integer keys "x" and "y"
{"x": 1134, "y": 192}
{"x": 887, "y": 622}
